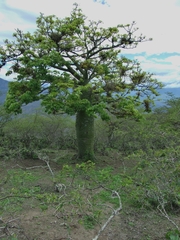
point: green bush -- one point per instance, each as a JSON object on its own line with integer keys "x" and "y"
{"x": 173, "y": 235}
{"x": 155, "y": 180}
{"x": 24, "y": 135}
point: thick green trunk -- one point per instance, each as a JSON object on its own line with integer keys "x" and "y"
{"x": 85, "y": 135}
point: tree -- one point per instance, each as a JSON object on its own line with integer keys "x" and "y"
{"x": 73, "y": 66}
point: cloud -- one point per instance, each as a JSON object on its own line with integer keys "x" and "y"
{"x": 23, "y": 14}
{"x": 165, "y": 66}
{"x": 157, "y": 19}
{"x": 175, "y": 60}
{"x": 13, "y": 18}
{"x": 101, "y": 1}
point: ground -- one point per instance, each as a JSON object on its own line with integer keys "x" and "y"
{"x": 28, "y": 220}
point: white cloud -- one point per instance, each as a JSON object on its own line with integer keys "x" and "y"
{"x": 173, "y": 85}
{"x": 165, "y": 70}
{"x": 158, "y": 19}
{"x": 2, "y": 74}
{"x": 175, "y": 60}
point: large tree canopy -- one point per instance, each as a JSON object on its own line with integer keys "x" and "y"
{"x": 74, "y": 66}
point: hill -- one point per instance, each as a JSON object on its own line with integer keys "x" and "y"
{"x": 3, "y": 89}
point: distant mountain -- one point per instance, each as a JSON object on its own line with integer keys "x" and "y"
{"x": 3, "y": 84}
{"x": 3, "y": 89}
{"x": 165, "y": 94}
{"x": 33, "y": 106}
{"x": 173, "y": 91}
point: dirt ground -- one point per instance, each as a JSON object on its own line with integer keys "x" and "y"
{"x": 31, "y": 223}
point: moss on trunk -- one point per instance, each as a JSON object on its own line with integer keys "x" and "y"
{"x": 85, "y": 135}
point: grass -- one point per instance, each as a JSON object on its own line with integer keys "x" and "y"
{"x": 85, "y": 196}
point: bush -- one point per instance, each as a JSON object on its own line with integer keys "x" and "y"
{"x": 24, "y": 135}
{"x": 156, "y": 180}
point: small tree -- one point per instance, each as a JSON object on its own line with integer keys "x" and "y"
{"x": 73, "y": 66}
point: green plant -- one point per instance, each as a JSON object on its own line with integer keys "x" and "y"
{"x": 10, "y": 238}
{"x": 173, "y": 235}
{"x": 18, "y": 187}
{"x": 154, "y": 181}
{"x": 89, "y": 221}
{"x": 25, "y": 135}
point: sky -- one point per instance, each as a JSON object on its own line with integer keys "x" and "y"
{"x": 157, "y": 19}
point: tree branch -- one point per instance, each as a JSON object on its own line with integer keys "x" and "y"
{"x": 114, "y": 213}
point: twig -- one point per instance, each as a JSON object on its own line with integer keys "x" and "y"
{"x": 12, "y": 220}
{"x": 162, "y": 210}
{"x": 58, "y": 186}
{"x": 46, "y": 160}
{"x": 58, "y": 205}
{"x": 8, "y": 196}
{"x": 114, "y": 213}
{"x": 33, "y": 167}
{"x": 1, "y": 236}
{"x": 5, "y": 227}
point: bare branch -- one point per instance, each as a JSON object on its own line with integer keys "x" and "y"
{"x": 45, "y": 158}
{"x": 14, "y": 196}
{"x": 114, "y": 213}
{"x": 161, "y": 208}
{"x": 29, "y": 168}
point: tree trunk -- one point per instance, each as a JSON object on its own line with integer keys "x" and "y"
{"x": 85, "y": 135}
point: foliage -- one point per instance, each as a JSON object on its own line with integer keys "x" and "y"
{"x": 155, "y": 180}
{"x": 73, "y": 66}
{"x": 173, "y": 235}
{"x": 147, "y": 179}
{"x": 23, "y": 136}
{"x": 20, "y": 187}
{"x": 55, "y": 67}
{"x": 87, "y": 190}
{"x": 169, "y": 114}
{"x": 158, "y": 130}
{"x": 4, "y": 118}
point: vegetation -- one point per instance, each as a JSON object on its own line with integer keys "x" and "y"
{"x": 74, "y": 66}
{"x": 139, "y": 172}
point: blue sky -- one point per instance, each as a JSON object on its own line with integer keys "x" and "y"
{"x": 158, "y": 19}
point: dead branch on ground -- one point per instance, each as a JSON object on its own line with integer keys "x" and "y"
{"x": 114, "y": 213}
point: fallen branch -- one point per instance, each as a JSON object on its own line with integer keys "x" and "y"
{"x": 29, "y": 168}
{"x": 13, "y": 196}
{"x": 162, "y": 209}
{"x": 114, "y": 213}
{"x": 58, "y": 186}
{"x": 164, "y": 213}
{"x": 5, "y": 228}
{"x": 45, "y": 158}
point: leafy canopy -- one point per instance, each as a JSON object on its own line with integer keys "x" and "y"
{"x": 73, "y": 64}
